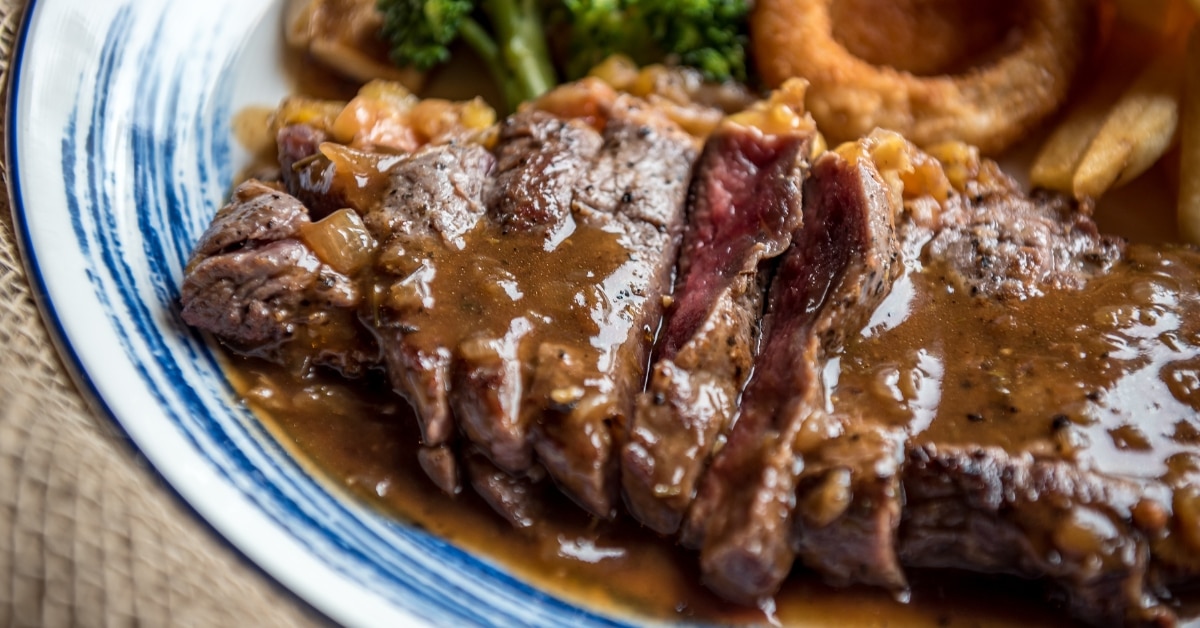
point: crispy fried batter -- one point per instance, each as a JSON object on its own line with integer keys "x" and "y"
{"x": 1007, "y": 89}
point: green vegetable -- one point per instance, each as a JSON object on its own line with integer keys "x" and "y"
{"x": 709, "y": 35}
{"x": 509, "y": 36}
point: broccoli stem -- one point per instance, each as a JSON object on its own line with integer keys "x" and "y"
{"x": 477, "y": 37}
{"x": 518, "y": 26}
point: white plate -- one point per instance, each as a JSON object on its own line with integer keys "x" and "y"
{"x": 120, "y": 152}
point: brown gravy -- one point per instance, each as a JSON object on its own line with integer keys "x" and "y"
{"x": 1106, "y": 376}
{"x": 509, "y": 286}
{"x": 361, "y": 439}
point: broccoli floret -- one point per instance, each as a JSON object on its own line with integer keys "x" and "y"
{"x": 506, "y": 34}
{"x": 421, "y": 32}
{"x": 509, "y": 36}
{"x": 600, "y": 28}
{"x": 709, "y": 35}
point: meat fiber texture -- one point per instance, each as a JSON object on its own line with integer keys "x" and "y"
{"x": 856, "y": 494}
{"x": 841, "y": 263}
{"x": 513, "y": 292}
{"x": 744, "y": 443}
{"x": 744, "y": 205}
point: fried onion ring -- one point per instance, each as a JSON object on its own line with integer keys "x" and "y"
{"x": 990, "y": 105}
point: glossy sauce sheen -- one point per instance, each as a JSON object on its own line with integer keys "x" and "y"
{"x": 505, "y": 285}
{"x": 365, "y": 439}
{"x": 1107, "y": 376}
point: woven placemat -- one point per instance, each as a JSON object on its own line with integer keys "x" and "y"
{"x": 89, "y": 535}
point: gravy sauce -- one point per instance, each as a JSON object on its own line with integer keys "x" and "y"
{"x": 362, "y": 440}
{"x": 1107, "y": 376}
{"x": 507, "y": 286}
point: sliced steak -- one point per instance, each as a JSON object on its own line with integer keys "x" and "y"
{"x": 744, "y": 204}
{"x": 985, "y": 509}
{"x": 491, "y": 271}
{"x": 269, "y": 285}
{"x": 256, "y": 214}
{"x": 427, "y": 199}
{"x": 841, "y": 263}
{"x": 582, "y": 393}
{"x": 1044, "y": 378}
{"x": 981, "y": 381}
{"x": 253, "y": 282}
{"x": 541, "y": 159}
{"x": 433, "y": 197}
{"x": 518, "y": 303}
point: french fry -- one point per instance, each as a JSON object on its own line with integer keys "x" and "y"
{"x": 1056, "y": 162}
{"x": 1139, "y": 129}
{"x": 1124, "y": 56}
{"x": 1189, "y": 144}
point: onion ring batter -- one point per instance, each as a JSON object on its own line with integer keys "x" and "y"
{"x": 991, "y": 105}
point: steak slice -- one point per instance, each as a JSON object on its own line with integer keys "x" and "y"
{"x": 432, "y": 198}
{"x": 985, "y": 509}
{"x": 744, "y": 204}
{"x": 841, "y": 262}
{"x": 541, "y": 159}
{"x": 253, "y": 282}
{"x": 1044, "y": 378}
{"x": 582, "y": 393}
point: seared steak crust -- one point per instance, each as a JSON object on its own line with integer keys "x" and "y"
{"x": 984, "y": 509}
{"x": 255, "y": 284}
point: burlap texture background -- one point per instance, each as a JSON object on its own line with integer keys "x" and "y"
{"x": 89, "y": 535}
